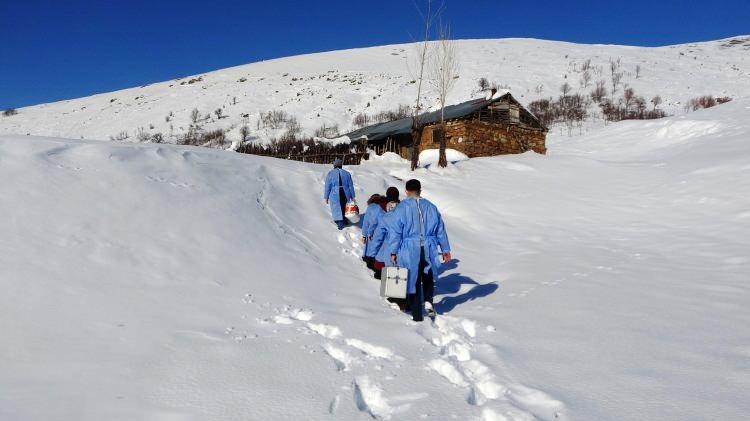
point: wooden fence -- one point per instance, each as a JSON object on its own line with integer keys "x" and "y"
{"x": 354, "y": 158}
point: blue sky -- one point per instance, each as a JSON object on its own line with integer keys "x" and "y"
{"x": 54, "y": 50}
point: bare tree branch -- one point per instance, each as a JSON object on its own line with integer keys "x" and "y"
{"x": 443, "y": 73}
{"x": 428, "y": 17}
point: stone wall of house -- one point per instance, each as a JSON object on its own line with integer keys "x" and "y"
{"x": 476, "y": 138}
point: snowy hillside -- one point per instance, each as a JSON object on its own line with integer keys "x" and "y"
{"x": 605, "y": 281}
{"x": 330, "y": 89}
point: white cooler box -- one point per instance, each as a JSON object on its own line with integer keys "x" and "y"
{"x": 393, "y": 282}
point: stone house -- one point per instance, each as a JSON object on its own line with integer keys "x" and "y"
{"x": 481, "y": 127}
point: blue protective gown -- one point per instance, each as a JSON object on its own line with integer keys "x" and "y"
{"x": 369, "y": 223}
{"x": 405, "y": 237}
{"x": 380, "y": 237}
{"x": 331, "y": 191}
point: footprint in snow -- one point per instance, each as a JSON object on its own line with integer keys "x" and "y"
{"x": 288, "y": 316}
{"x": 373, "y": 351}
{"x": 341, "y": 358}
{"x": 369, "y": 397}
{"x": 455, "y": 337}
{"x": 324, "y": 330}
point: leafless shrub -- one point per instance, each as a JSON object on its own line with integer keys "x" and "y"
{"x": 142, "y": 135}
{"x": 586, "y": 65}
{"x": 543, "y": 109}
{"x": 123, "y": 135}
{"x": 599, "y": 92}
{"x": 244, "y": 133}
{"x": 218, "y": 113}
{"x": 361, "y": 120}
{"x": 585, "y": 78}
{"x": 701, "y": 102}
{"x": 195, "y": 136}
{"x": 567, "y": 109}
{"x": 157, "y": 138}
{"x": 656, "y": 101}
{"x": 293, "y": 128}
{"x": 630, "y": 107}
{"x": 402, "y": 111}
{"x": 484, "y": 84}
{"x": 628, "y": 96}
{"x": 10, "y": 112}
{"x": 213, "y": 138}
{"x": 573, "y": 108}
{"x": 723, "y": 99}
{"x": 194, "y": 115}
{"x": 298, "y": 149}
{"x": 191, "y": 137}
{"x": 565, "y": 88}
{"x": 327, "y": 131}
{"x": 616, "y": 74}
{"x": 273, "y": 119}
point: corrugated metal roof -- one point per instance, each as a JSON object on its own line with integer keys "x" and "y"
{"x": 382, "y": 131}
{"x": 402, "y": 126}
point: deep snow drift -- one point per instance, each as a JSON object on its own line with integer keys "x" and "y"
{"x": 604, "y": 281}
{"x": 331, "y": 88}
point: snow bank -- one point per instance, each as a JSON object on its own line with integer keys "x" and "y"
{"x": 431, "y": 156}
{"x": 385, "y": 158}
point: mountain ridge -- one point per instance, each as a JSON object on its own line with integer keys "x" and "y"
{"x": 330, "y": 88}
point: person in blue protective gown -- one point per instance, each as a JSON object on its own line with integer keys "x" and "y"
{"x": 339, "y": 190}
{"x": 369, "y": 223}
{"x": 379, "y": 240}
{"x": 416, "y": 240}
{"x": 380, "y": 231}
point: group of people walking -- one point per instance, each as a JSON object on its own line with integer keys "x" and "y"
{"x": 407, "y": 233}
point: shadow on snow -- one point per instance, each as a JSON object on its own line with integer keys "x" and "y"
{"x": 453, "y": 283}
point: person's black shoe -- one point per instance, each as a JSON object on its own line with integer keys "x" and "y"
{"x": 430, "y": 310}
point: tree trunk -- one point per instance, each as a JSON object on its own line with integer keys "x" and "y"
{"x": 416, "y": 138}
{"x": 442, "y": 159}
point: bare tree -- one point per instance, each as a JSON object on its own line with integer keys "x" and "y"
{"x": 484, "y": 84}
{"x": 586, "y": 66}
{"x": 614, "y": 67}
{"x": 637, "y": 71}
{"x": 428, "y": 17}
{"x": 629, "y": 96}
{"x": 443, "y": 75}
{"x": 599, "y": 92}
{"x": 656, "y": 101}
{"x": 244, "y": 133}
{"x": 585, "y": 78}
{"x": 640, "y": 106}
{"x": 194, "y": 115}
{"x": 565, "y": 89}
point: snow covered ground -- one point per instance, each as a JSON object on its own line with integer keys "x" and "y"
{"x": 331, "y": 88}
{"x": 604, "y": 281}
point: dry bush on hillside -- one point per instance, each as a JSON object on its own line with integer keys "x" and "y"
{"x": 701, "y": 102}
{"x": 273, "y": 119}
